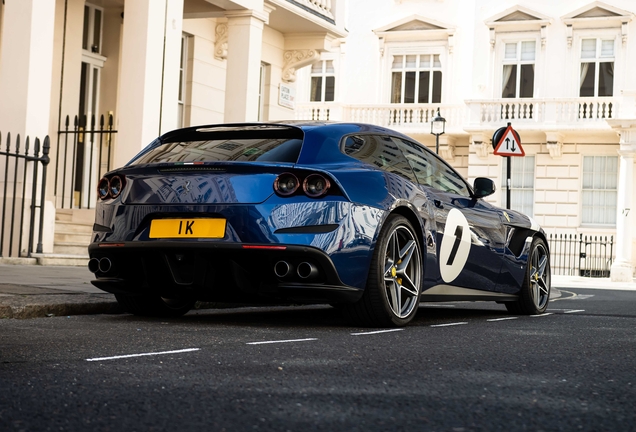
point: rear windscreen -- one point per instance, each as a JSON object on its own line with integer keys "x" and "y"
{"x": 274, "y": 150}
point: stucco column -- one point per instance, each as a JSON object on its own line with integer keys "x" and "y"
{"x": 26, "y": 65}
{"x": 244, "y": 47}
{"x": 623, "y": 269}
{"x": 149, "y": 75}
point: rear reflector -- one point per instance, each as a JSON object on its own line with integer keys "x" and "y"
{"x": 112, "y": 244}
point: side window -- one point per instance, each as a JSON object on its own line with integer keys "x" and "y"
{"x": 380, "y": 151}
{"x": 421, "y": 162}
{"x": 430, "y": 170}
{"x": 452, "y": 182}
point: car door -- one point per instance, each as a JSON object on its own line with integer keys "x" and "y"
{"x": 470, "y": 236}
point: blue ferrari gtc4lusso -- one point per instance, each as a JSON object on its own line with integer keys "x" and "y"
{"x": 358, "y": 216}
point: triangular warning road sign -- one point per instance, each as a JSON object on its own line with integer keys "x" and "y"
{"x": 509, "y": 144}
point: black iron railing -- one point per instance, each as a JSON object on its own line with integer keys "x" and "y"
{"x": 579, "y": 255}
{"x": 83, "y": 157}
{"x": 23, "y": 194}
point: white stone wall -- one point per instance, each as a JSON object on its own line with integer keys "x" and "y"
{"x": 205, "y": 83}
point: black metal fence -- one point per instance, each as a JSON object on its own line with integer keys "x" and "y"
{"x": 23, "y": 196}
{"x": 579, "y": 255}
{"x": 83, "y": 157}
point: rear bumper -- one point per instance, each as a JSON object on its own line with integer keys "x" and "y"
{"x": 217, "y": 271}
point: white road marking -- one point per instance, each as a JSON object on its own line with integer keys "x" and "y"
{"x": 502, "y": 319}
{"x": 450, "y": 324}
{"x": 584, "y": 296}
{"x": 143, "y": 354}
{"x": 375, "y": 332}
{"x": 542, "y": 315}
{"x": 281, "y": 341}
{"x": 574, "y": 311}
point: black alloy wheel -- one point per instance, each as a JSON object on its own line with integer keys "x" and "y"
{"x": 394, "y": 285}
{"x": 535, "y": 291}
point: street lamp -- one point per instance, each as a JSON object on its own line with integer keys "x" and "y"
{"x": 438, "y": 127}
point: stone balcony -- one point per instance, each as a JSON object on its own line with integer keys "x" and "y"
{"x": 549, "y": 114}
{"x": 322, "y": 7}
{"x": 413, "y": 118}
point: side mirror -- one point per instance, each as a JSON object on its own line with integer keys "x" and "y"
{"x": 483, "y": 187}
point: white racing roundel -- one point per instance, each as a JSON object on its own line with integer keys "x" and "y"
{"x": 455, "y": 247}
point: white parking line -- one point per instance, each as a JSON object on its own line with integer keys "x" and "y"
{"x": 143, "y": 354}
{"x": 502, "y": 319}
{"x": 281, "y": 341}
{"x": 449, "y": 324}
{"x": 574, "y": 311}
{"x": 375, "y": 332}
{"x": 538, "y": 316}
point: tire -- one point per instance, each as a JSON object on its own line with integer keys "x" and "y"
{"x": 535, "y": 291}
{"x": 394, "y": 284}
{"x": 154, "y": 306}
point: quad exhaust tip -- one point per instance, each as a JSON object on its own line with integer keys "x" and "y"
{"x": 93, "y": 265}
{"x": 282, "y": 269}
{"x": 102, "y": 265}
{"x": 307, "y": 270}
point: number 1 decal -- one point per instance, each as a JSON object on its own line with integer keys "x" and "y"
{"x": 455, "y": 247}
{"x": 458, "y": 238}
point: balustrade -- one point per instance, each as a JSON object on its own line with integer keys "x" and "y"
{"x": 566, "y": 112}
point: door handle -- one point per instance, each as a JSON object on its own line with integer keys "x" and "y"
{"x": 438, "y": 204}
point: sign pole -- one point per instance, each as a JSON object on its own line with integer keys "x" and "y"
{"x": 506, "y": 143}
{"x": 508, "y": 175}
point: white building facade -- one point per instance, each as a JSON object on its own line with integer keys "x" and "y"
{"x": 559, "y": 72}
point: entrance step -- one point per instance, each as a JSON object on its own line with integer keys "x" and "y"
{"x": 73, "y": 231}
{"x": 61, "y": 260}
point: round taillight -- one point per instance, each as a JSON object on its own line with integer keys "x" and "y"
{"x": 102, "y": 188}
{"x": 286, "y": 184}
{"x": 315, "y": 185}
{"x": 115, "y": 187}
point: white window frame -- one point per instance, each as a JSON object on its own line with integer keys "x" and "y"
{"x": 515, "y": 172}
{"x": 183, "y": 74}
{"x": 430, "y": 48}
{"x": 90, "y": 42}
{"x": 417, "y": 69}
{"x": 603, "y": 224}
{"x": 323, "y": 75}
{"x": 498, "y": 59}
{"x": 574, "y": 63}
{"x": 261, "y": 91}
{"x": 596, "y": 60}
{"x": 518, "y": 62}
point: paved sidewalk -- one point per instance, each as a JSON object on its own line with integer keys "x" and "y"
{"x": 29, "y": 291}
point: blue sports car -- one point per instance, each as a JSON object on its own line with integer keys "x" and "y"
{"x": 358, "y": 216}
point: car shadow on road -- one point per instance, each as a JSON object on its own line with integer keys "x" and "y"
{"x": 323, "y": 315}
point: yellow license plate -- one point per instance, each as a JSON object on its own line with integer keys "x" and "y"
{"x": 187, "y": 228}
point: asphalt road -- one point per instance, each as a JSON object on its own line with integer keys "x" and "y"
{"x": 457, "y": 367}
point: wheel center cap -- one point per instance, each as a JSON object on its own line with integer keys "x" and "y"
{"x": 393, "y": 271}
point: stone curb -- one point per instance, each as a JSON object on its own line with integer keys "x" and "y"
{"x": 39, "y": 306}
{"x": 42, "y": 306}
